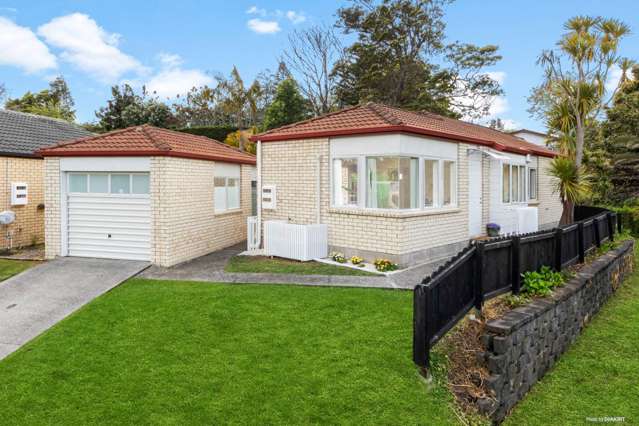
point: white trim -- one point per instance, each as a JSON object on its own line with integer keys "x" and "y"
{"x": 105, "y": 164}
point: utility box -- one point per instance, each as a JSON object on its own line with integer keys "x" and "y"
{"x": 19, "y": 194}
{"x": 269, "y": 197}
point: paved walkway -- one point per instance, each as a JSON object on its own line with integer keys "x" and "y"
{"x": 38, "y": 298}
{"x": 210, "y": 268}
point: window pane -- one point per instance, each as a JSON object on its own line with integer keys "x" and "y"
{"x": 120, "y": 184}
{"x": 408, "y": 183}
{"x": 532, "y": 184}
{"x": 506, "y": 183}
{"x": 78, "y": 183}
{"x": 345, "y": 182}
{"x": 383, "y": 182}
{"x": 515, "y": 180}
{"x": 99, "y": 184}
{"x": 140, "y": 184}
{"x": 449, "y": 183}
{"x": 233, "y": 193}
{"x": 522, "y": 183}
{"x": 220, "y": 198}
{"x": 431, "y": 182}
{"x": 220, "y": 182}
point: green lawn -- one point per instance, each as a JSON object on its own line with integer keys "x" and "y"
{"x": 154, "y": 352}
{"x": 283, "y": 266}
{"x": 599, "y": 375}
{"x": 9, "y": 268}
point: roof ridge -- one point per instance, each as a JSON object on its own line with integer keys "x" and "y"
{"x": 42, "y": 117}
{"x": 206, "y": 138}
{"x": 310, "y": 120}
{"x": 161, "y": 145}
{"x": 390, "y": 119}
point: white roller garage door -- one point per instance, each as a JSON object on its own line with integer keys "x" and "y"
{"x": 109, "y": 215}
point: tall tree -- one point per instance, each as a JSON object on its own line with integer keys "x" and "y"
{"x": 400, "y": 58}
{"x": 576, "y": 73}
{"x": 56, "y": 101}
{"x": 312, "y": 54}
{"x": 126, "y": 108}
{"x": 620, "y": 133}
{"x": 288, "y": 106}
{"x": 3, "y": 91}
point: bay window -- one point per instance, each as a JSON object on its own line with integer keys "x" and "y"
{"x": 449, "y": 183}
{"x": 345, "y": 182}
{"x": 431, "y": 182}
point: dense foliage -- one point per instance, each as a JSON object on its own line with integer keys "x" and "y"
{"x": 218, "y": 133}
{"x": 287, "y": 107}
{"x": 542, "y": 282}
{"x": 126, "y": 108}
{"x": 55, "y": 102}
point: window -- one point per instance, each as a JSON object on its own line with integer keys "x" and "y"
{"x": 431, "y": 182}
{"x": 99, "y": 183}
{"x": 120, "y": 184}
{"x": 345, "y": 182}
{"x": 449, "y": 183}
{"x": 226, "y": 187}
{"x": 78, "y": 183}
{"x": 393, "y": 182}
{"x": 532, "y": 184}
{"x": 513, "y": 183}
{"x": 105, "y": 183}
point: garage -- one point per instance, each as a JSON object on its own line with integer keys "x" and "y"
{"x": 146, "y": 194}
{"x": 109, "y": 215}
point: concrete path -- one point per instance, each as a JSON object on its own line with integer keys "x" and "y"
{"x": 38, "y": 298}
{"x": 210, "y": 268}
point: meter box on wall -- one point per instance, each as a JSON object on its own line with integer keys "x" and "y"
{"x": 19, "y": 193}
{"x": 269, "y": 197}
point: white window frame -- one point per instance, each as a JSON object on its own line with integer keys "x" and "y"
{"x": 529, "y": 186}
{"x": 226, "y": 193}
{"x": 522, "y": 198}
{"x": 362, "y": 192}
{"x": 108, "y": 193}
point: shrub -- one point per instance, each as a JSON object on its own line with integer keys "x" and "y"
{"x": 218, "y": 133}
{"x": 542, "y": 282}
{"x": 356, "y": 260}
{"x": 385, "y": 265}
{"x": 629, "y": 216}
{"x": 338, "y": 257}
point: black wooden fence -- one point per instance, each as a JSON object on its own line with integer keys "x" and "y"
{"x": 484, "y": 270}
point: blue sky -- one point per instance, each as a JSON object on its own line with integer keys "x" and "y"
{"x": 173, "y": 44}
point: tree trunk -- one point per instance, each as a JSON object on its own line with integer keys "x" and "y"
{"x": 568, "y": 214}
{"x": 579, "y": 142}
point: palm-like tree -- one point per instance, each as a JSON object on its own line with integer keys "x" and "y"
{"x": 572, "y": 183}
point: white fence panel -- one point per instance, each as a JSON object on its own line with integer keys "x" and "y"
{"x": 299, "y": 242}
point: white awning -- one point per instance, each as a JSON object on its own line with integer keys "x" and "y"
{"x": 489, "y": 152}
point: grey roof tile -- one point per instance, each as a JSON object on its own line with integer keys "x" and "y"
{"x": 22, "y": 134}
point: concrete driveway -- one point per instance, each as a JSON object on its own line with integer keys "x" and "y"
{"x": 38, "y": 298}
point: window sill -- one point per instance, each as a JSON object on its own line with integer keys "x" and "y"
{"x": 533, "y": 203}
{"x": 228, "y": 213}
{"x": 394, "y": 213}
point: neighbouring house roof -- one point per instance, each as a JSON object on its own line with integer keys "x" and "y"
{"x": 377, "y": 118}
{"x": 533, "y": 132}
{"x": 21, "y": 134}
{"x": 147, "y": 141}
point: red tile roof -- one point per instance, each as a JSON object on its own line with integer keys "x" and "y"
{"x": 149, "y": 141}
{"x": 376, "y": 118}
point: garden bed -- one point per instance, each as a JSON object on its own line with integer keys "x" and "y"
{"x": 276, "y": 265}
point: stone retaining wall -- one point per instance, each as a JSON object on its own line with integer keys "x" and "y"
{"x": 526, "y": 342}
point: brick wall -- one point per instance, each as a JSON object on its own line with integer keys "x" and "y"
{"x": 52, "y": 207}
{"x": 185, "y": 225}
{"x": 29, "y": 225}
{"x": 550, "y": 207}
{"x": 292, "y": 167}
{"x": 526, "y": 342}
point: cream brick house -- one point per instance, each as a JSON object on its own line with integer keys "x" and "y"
{"x": 408, "y": 186}
{"x": 145, "y": 193}
{"x": 22, "y": 172}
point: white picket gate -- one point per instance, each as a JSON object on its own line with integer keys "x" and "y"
{"x": 252, "y": 234}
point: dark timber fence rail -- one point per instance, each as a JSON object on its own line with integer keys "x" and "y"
{"x": 484, "y": 270}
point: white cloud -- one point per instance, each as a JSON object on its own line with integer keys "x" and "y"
{"x": 510, "y": 124}
{"x": 172, "y": 80}
{"x": 89, "y": 47}
{"x": 498, "y": 105}
{"x": 254, "y": 10}
{"x": 295, "y": 17}
{"x": 261, "y": 26}
{"x": 21, "y": 48}
{"x": 614, "y": 75}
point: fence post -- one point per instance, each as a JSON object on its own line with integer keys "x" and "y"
{"x": 611, "y": 226}
{"x": 595, "y": 226}
{"x": 420, "y": 316}
{"x": 619, "y": 224}
{"x": 558, "y": 240}
{"x": 515, "y": 261}
{"x": 479, "y": 275}
{"x": 581, "y": 243}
